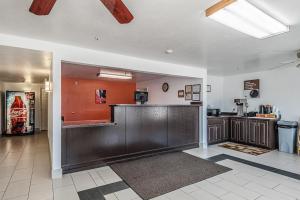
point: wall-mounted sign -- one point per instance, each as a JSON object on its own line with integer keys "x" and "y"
{"x": 100, "y": 96}
{"x": 251, "y": 84}
{"x": 251, "y": 88}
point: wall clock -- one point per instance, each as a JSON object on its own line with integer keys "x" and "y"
{"x": 165, "y": 87}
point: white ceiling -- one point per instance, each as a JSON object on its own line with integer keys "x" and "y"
{"x": 158, "y": 25}
{"x": 70, "y": 70}
{"x": 24, "y": 65}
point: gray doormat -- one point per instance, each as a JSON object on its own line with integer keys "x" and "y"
{"x": 154, "y": 176}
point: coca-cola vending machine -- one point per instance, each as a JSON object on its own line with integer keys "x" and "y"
{"x": 20, "y": 112}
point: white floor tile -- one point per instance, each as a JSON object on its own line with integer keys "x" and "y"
{"x": 83, "y": 181}
{"x": 238, "y": 190}
{"x": 66, "y": 193}
{"x": 178, "y": 195}
{"x": 127, "y": 194}
{"x": 270, "y": 193}
{"x": 211, "y": 188}
{"x": 200, "y": 195}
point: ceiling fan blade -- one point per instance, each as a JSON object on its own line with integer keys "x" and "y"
{"x": 42, "y": 7}
{"x": 119, "y": 10}
{"x": 283, "y": 65}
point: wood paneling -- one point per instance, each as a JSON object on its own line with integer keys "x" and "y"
{"x": 42, "y": 7}
{"x": 183, "y": 125}
{"x": 119, "y": 10}
{"x": 146, "y": 128}
{"x": 139, "y": 131}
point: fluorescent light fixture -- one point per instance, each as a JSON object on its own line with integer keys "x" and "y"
{"x": 246, "y": 18}
{"x": 115, "y": 75}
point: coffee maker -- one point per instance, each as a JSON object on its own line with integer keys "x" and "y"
{"x": 241, "y": 105}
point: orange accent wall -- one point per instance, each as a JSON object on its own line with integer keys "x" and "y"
{"x": 78, "y": 98}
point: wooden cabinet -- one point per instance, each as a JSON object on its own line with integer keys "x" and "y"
{"x": 259, "y": 133}
{"x": 238, "y": 130}
{"x": 251, "y": 131}
{"x": 217, "y": 130}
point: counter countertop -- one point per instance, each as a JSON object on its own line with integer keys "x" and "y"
{"x": 235, "y": 116}
{"x": 87, "y": 123}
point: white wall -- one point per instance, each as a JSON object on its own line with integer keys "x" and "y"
{"x": 157, "y": 96}
{"x": 99, "y": 58}
{"x": 279, "y": 87}
{"x": 215, "y": 97}
{"x": 26, "y": 87}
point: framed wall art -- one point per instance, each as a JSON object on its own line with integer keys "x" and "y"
{"x": 196, "y": 88}
{"x": 100, "y": 96}
{"x": 208, "y": 88}
{"x": 180, "y": 93}
{"x": 188, "y": 89}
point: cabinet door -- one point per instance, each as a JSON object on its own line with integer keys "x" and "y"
{"x": 234, "y": 130}
{"x": 225, "y": 129}
{"x": 252, "y": 131}
{"x": 211, "y": 134}
{"x": 262, "y": 134}
{"x": 243, "y": 131}
{"x": 219, "y": 132}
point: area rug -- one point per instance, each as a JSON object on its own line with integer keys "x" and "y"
{"x": 154, "y": 176}
{"x": 245, "y": 148}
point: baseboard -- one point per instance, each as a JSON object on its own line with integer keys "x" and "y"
{"x": 56, "y": 173}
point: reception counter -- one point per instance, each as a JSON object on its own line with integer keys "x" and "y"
{"x": 134, "y": 131}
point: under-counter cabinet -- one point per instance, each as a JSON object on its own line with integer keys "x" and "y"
{"x": 217, "y": 130}
{"x": 238, "y": 131}
{"x": 262, "y": 133}
{"x": 251, "y": 131}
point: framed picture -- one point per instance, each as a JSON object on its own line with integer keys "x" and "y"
{"x": 180, "y": 93}
{"x": 100, "y": 96}
{"x": 196, "y": 97}
{"x": 208, "y": 88}
{"x": 188, "y": 96}
{"x": 188, "y": 89}
{"x": 196, "y": 88}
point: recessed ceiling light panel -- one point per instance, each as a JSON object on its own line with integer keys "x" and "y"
{"x": 246, "y": 18}
{"x": 114, "y": 74}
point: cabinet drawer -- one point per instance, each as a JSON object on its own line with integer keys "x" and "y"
{"x": 214, "y": 121}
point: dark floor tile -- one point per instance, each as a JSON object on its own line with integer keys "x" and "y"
{"x": 91, "y": 194}
{"x": 221, "y": 157}
{"x": 114, "y": 187}
{"x": 99, "y": 192}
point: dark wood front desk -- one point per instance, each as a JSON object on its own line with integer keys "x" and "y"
{"x": 135, "y": 130}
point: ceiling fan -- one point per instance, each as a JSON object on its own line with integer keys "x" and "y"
{"x": 289, "y": 62}
{"x": 117, "y": 8}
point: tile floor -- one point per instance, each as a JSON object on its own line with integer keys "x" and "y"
{"x": 25, "y": 175}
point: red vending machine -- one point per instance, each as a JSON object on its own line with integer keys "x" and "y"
{"x": 20, "y": 112}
